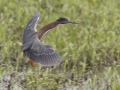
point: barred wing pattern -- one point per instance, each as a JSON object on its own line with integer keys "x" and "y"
{"x": 34, "y": 49}
{"x": 43, "y": 54}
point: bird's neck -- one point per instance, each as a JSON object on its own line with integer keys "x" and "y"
{"x": 46, "y": 28}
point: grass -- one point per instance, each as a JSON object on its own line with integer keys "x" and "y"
{"x": 90, "y": 50}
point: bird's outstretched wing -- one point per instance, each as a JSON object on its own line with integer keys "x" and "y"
{"x": 43, "y": 54}
{"x": 30, "y": 31}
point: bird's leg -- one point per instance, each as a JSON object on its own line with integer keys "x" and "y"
{"x": 32, "y": 63}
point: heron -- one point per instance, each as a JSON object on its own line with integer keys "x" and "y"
{"x": 35, "y": 50}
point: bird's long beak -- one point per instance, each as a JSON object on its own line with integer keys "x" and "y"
{"x": 73, "y": 22}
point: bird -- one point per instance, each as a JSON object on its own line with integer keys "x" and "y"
{"x": 35, "y": 50}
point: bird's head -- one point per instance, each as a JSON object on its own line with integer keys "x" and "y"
{"x": 65, "y": 21}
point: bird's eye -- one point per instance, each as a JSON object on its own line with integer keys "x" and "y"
{"x": 64, "y": 22}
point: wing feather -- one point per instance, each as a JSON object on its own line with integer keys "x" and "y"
{"x": 30, "y": 32}
{"x": 48, "y": 57}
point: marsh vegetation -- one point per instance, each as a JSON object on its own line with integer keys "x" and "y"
{"x": 90, "y": 50}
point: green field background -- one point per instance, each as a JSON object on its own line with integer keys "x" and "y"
{"x": 90, "y": 49}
